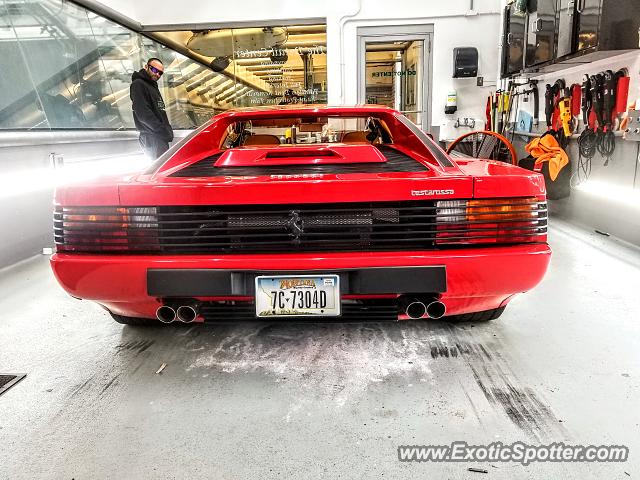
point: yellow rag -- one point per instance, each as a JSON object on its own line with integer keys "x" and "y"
{"x": 547, "y": 149}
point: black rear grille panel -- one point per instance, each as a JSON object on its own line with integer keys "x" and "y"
{"x": 370, "y": 310}
{"x": 260, "y": 229}
{"x": 337, "y": 227}
{"x": 397, "y": 162}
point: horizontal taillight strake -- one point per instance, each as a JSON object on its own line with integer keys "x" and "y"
{"x": 106, "y": 229}
{"x": 338, "y": 227}
{"x": 504, "y": 220}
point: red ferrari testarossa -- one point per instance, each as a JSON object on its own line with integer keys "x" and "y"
{"x": 304, "y": 212}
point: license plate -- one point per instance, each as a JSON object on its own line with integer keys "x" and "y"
{"x": 294, "y": 295}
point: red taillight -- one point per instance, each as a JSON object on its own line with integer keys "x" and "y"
{"x": 504, "y": 220}
{"x": 103, "y": 229}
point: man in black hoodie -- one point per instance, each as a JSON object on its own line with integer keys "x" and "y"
{"x": 148, "y": 109}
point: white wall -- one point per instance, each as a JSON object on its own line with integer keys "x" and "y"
{"x": 454, "y": 29}
{"x": 454, "y": 26}
{"x": 164, "y": 12}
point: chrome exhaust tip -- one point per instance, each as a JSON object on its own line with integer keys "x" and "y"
{"x": 415, "y": 309}
{"x": 165, "y": 314}
{"x": 186, "y": 313}
{"x": 436, "y": 309}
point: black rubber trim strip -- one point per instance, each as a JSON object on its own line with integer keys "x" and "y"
{"x": 437, "y": 152}
{"x": 171, "y": 282}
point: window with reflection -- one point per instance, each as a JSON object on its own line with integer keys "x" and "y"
{"x": 262, "y": 65}
{"x": 64, "y": 67}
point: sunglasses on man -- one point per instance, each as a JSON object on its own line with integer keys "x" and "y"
{"x": 155, "y": 70}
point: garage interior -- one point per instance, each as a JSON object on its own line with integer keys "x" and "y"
{"x": 84, "y": 397}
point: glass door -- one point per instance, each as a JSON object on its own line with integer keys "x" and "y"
{"x": 394, "y": 72}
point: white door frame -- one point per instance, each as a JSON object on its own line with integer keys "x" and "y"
{"x": 403, "y": 33}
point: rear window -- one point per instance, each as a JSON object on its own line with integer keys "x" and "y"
{"x": 297, "y": 131}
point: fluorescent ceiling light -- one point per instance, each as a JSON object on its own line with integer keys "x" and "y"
{"x": 611, "y": 193}
{"x": 42, "y": 179}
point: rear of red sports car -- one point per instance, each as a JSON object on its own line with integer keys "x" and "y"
{"x": 331, "y": 212}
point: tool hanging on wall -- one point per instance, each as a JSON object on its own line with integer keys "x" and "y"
{"x": 607, "y": 140}
{"x": 557, "y": 109}
{"x": 499, "y": 111}
{"x": 576, "y": 105}
{"x": 549, "y": 104}
{"x": 514, "y": 118}
{"x": 565, "y": 111}
{"x": 622, "y": 99}
{"x": 597, "y": 106}
{"x": 601, "y": 101}
{"x": 587, "y": 142}
{"x": 500, "y": 106}
{"x": 487, "y": 112}
{"x": 615, "y": 91}
{"x": 507, "y": 103}
{"x": 494, "y": 111}
{"x": 536, "y": 101}
{"x": 511, "y": 101}
{"x": 490, "y": 112}
{"x": 532, "y": 90}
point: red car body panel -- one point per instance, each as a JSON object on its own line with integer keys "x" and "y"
{"x": 477, "y": 279}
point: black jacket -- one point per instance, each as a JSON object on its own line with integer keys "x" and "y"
{"x": 148, "y": 107}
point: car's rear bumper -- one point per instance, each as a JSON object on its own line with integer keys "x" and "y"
{"x": 476, "y": 279}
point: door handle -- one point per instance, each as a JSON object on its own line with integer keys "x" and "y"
{"x": 580, "y": 7}
{"x": 537, "y": 25}
{"x": 509, "y": 38}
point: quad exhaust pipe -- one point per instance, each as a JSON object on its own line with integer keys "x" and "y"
{"x": 166, "y": 314}
{"x": 186, "y": 313}
{"x": 436, "y": 309}
{"x": 415, "y": 308}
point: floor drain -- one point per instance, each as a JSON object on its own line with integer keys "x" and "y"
{"x": 7, "y": 381}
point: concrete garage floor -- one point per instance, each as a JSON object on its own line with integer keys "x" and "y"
{"x": 334, "y": 401}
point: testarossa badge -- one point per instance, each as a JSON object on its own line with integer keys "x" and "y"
{"x": 425, "y": 193}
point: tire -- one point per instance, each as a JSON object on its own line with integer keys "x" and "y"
{"x": 133, "y": 321}
{"x": 483, "y": 316}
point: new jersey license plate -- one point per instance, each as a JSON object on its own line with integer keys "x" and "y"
{"x": 294, "y": 295}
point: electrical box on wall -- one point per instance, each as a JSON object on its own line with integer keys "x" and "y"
{"x": 465, "y": 62}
